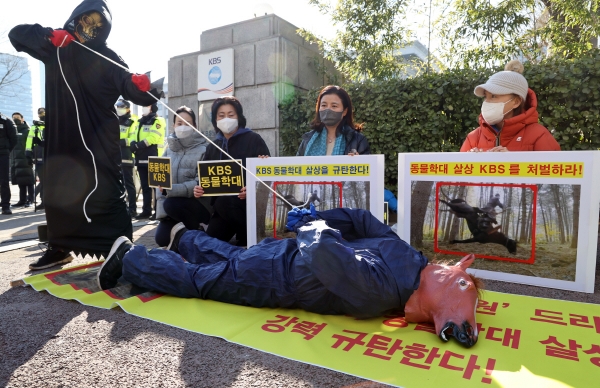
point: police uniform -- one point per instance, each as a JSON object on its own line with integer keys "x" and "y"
{"x": 128, "y": 129}
{"x": 35, "y": 144}
{"x": 148, "y": 137}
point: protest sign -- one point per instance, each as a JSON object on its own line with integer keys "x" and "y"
{"x": 529, "y": 217}
{"x": 220, "y": 177}
{"x": 159, "y": 172}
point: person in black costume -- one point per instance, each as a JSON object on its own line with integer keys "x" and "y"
{"x": 83, "y": 189}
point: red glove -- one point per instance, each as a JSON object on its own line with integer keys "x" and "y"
{"x": 141, "y": 81}
{"x": 61, "y": 38}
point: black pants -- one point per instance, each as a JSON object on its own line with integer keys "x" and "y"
{"x": 228, "y": 219}
{"x": 26, "y": 193}
{"x": 4, "y": 182}
{"x": 146, "y": 190}
{"x": 179, "y": 209}
{"x": 129, "y": 186}
{"x": 39, "y": 172}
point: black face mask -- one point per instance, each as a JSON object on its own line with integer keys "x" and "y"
{"x": 17, "y": 121}
{"x": 330, "y": 117}
{"x": 42, "y": 117}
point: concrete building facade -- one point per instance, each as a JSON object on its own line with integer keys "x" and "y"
{"x": 270, "y": 61}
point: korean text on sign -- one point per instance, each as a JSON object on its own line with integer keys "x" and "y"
{"x": 159, "y": 172}
{"x": 315, "y": 170}
{"x": 220, "y": 177}
{"x": 522, "y": 169}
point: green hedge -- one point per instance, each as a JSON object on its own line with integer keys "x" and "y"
{"x": 434, "y": 113}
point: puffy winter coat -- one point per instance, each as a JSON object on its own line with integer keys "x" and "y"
{"x": 519, "y": 133}
{"x": 21, "y": 160}
{"x": 185, "y": 154}
{"x": 8, "y": 135}
{"x": 354, "y": 141}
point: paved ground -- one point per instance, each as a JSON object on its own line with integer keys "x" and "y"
{"x": 49, "y": 342}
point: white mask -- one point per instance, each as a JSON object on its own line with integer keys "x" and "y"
{"x": 227, "y": 125}
{"x": 493, "y": 112}
{"x": 183, "y": 131}
{"x": 146, "y": 110}
{"x": 121, "y": 111}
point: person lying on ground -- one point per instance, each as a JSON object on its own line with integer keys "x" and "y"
{"x": 343, "y": 261}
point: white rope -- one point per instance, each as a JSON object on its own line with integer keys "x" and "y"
{"x": 195, "y": 129}
{"x": 80, "y": 131}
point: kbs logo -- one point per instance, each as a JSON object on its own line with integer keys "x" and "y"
{"x": 214, "y": 61}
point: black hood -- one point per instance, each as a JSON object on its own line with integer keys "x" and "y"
{"x": 86, "y": 6}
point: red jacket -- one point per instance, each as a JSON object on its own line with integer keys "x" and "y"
{"x": 520, "y": 133}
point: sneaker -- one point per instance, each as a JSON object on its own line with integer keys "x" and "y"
{"x": 133, "y": 213}
{"x": 176, "y": 232}
{"x": 6, "y": 211}
{"x": 18, "y": 204}
{"x": 27, "y": 204}
{"x": 153, "y": 217}
{"x": 143, "y": 215}
{"x": 51, "y": 258}
{"x": 112, "y": 268}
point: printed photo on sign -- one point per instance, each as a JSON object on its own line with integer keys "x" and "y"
{"x": 537, "y": 225}
{"x": 159, "y": 172}
{"x": 326, "y": 182}
{"x": 520, "y": 229}
{"x": 322, "y": 195}
{"x": 220, "y": 177}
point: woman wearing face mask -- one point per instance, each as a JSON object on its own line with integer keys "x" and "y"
{"x": 333, "y": 129}
{"x": 509, "y": 117}
{"x": 229, "y": 212}
{"x": 186, "y": 148}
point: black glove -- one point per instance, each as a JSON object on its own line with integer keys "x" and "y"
{"x": 133, "y": 146}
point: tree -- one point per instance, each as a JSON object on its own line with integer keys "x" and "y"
{"x": 370, "y": 32}
{"x": 419, "y": 200}
{"x": 491, "y": 32}
{"x": 12, "y": 69}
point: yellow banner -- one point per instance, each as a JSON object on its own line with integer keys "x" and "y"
{"x": 523, "y": 341}
{"x": 527, "y": 169}
{"x": 335, "y": 170}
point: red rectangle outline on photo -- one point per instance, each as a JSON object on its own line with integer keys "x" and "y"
{"x": 275, "y": 184}
{"x": 534, "y": 190}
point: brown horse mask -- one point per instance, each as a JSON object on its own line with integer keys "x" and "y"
{"x": 447, "y": 296}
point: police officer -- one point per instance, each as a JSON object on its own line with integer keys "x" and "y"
{"x": 128, "y": 123}
{"x": 22, "y": 163}
{"x": 150, "y": 134}
{"x": 8, "y": 141}
{"x": 35, "y": 143}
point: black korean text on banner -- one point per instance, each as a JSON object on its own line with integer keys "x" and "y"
{"x": 220, "y": 177}
{"x": 159, "y": 172}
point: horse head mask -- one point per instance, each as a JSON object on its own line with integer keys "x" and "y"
{"x": 447, "y": 296}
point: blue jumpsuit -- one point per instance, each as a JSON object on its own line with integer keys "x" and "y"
{"x": 345, "y": 262}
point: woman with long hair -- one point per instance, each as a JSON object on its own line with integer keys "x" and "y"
{"x": 333, "y": 129}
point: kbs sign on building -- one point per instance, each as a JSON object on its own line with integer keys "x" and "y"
{"x": 215, "y": 74}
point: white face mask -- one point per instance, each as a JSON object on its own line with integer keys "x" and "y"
{"x": 227, "y": 125}
{"x": 146, "y": 110}
{"x": 183, "y": 131}
{"x": 493, "y": 112}
{"x": 121, "y": 111}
